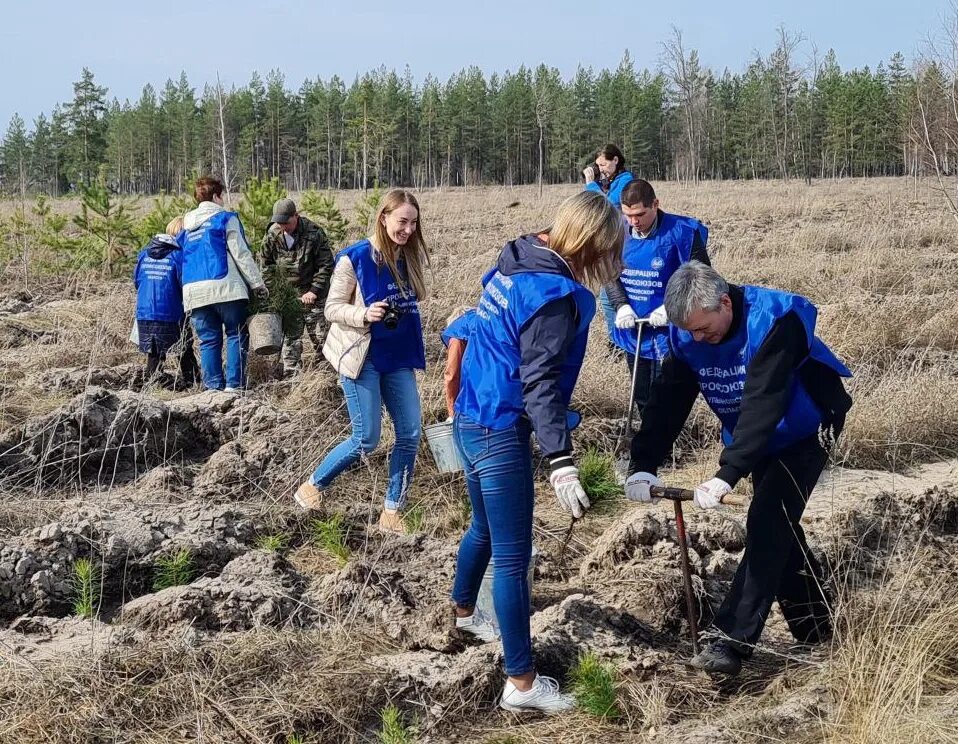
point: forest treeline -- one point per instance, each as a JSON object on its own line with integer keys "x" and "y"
{"x": 786, "y": 115}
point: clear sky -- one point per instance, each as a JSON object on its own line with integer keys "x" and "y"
{"x": 44, "y": 45}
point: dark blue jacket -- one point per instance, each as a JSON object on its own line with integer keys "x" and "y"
{"x": 158, "y": 278}
{"x": 526, "y": 349}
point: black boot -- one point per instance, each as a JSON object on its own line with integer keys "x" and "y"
{"x": 718, "y": 656}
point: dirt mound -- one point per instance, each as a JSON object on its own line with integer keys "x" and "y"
{"x": 36, "y": 570}
{"x": 76, "y": 379}
{"x": 49, "y": 638}
{"x": 581, "y": 624}
{"x": 110, "y": 434}
{"x": 401, "y": 588}
{"x": 256, "y": 589}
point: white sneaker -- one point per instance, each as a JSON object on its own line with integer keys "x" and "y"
{"x": 478, "y": 626}
{"x": 543, "y": 696}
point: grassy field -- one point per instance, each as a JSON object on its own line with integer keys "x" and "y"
{"x": 346, "y": 638}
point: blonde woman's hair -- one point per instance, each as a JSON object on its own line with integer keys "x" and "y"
{"x": 174, "y": 226}
{"x": 588, "y": 232}
{"x": 415, "y": 252}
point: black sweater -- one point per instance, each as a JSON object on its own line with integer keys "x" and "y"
{"x": 764, "y": 398}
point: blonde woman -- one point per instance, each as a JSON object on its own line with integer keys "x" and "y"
{"x": 521, "y": 363}
{"x": 375, "y": 343}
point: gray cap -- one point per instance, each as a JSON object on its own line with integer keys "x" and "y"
{"x": 283, "y": 210}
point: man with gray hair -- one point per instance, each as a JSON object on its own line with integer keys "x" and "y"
{"x": 777, "y": 391}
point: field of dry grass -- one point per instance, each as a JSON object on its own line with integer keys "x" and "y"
{"x": 283, "y": 641}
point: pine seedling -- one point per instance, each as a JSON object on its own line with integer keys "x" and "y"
{"x": 593, "y": 685}
{"x": 415, "y": 518}
{"x": 597, "y": 476}
{"x": 256, "y": 208}
{"x": 272, "y": 543}
{"x": 322, "y": 209}
{"x": 86, "y": 590}
{"x": 330, "y": 534}
{"x": 174, "y": 570}
{"x": 366, "y": 209}
{"x": 394, "y": 730}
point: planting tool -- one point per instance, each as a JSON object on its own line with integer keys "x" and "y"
{"x": 625, "y": 437}
{"x": 677, "y": 496}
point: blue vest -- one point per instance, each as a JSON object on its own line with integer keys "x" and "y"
{"x": 648, "y": 264}
{"x": 616, "y": 187}
{"x": 491, "y": 391}
{"x": 389, "y": 349}
{"x": 159, "y": 293}
{"x": 460, "y": 328}
{"x": 722, "y": 368}
{"x": 205, "y": 253}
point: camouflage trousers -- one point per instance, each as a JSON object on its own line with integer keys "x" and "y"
{"x": 313, "y": 323}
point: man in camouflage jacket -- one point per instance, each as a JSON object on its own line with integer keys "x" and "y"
{"x": 301, "y": 249}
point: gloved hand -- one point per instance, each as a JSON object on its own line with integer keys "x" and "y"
{"x": 261, "y": 292}
{"x": 709, "y": 494}
{"x": 637, "y": 487}
{"x": 658, "y": 317}
{"x": 625, "y": 317}
{"x": 569, "y": 491}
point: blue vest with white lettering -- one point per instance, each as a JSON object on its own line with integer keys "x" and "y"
{"x": 491, "y": 391}
{"x": 722, "y": 368}
{"x": 205, "y": 254}
{"x": 159, "y": 294}
{"x": 460, "y": 328}
{"x": 648, "y": 265}
{"x": 400, "y": 347}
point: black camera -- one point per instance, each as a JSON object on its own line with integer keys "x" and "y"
{"x": 392, "y": 316}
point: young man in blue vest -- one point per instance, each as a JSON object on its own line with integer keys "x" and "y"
{"x": 657, "y": 244}
{"x": 778, "y": 392}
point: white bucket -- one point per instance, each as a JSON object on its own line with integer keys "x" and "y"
{"x": 484, "y": 604}
{"x": 265, "y": 333}
{"x": 443, "y": 447}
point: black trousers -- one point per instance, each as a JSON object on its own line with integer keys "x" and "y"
{"x": 648, "y": 371}
{"x": 777, "y": 564}
{"x": 189, "y": 368}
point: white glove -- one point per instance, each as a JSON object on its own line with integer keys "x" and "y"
{"x": 709, "y": 494}
{"x": 658, "y": 317}
{"x": 625, "y": 318}
{"x": 569, "y": 491}
{"x": 637, "y": 487}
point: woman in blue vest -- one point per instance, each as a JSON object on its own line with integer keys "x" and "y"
{"x": 777, "y": 391}
{"x": 375, "y": 343}
{"x": 608, "y": 176}
{"x": 218, "y": 273}
{"x": 158, "y": 278}
{"x": 521, "y": 364}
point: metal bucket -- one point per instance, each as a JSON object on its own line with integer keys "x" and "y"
{"x": 265, "y": 333}
{"x": 484, "y": 604}
{"x": 443, "y": 447}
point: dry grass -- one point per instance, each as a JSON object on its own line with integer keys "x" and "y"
{"x": 880, "y": 269}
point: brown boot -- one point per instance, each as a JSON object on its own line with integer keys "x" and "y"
{"x": 308, "y": 496}
{"x": 391, "y": 520}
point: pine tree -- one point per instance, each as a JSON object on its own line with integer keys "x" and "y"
{"x": 86, "y": 144}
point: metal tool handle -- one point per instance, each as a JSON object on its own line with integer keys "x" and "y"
{"x": 684, "y": 494}
{"x": 639, "y": 322}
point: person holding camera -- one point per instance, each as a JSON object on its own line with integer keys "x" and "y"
{"x": 521, "y": 364}
{"x": 608, "y": 176}
{"x": 375, "y": 343}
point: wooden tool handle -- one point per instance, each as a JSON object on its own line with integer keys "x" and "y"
{"x": 684, "y": 494}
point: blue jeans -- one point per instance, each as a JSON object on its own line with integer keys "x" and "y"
{"x": 499, "y": 480}
{"x": 365, "y": 397}
{"x": 607, "y": 310}
{"x": 209, "y": 323}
